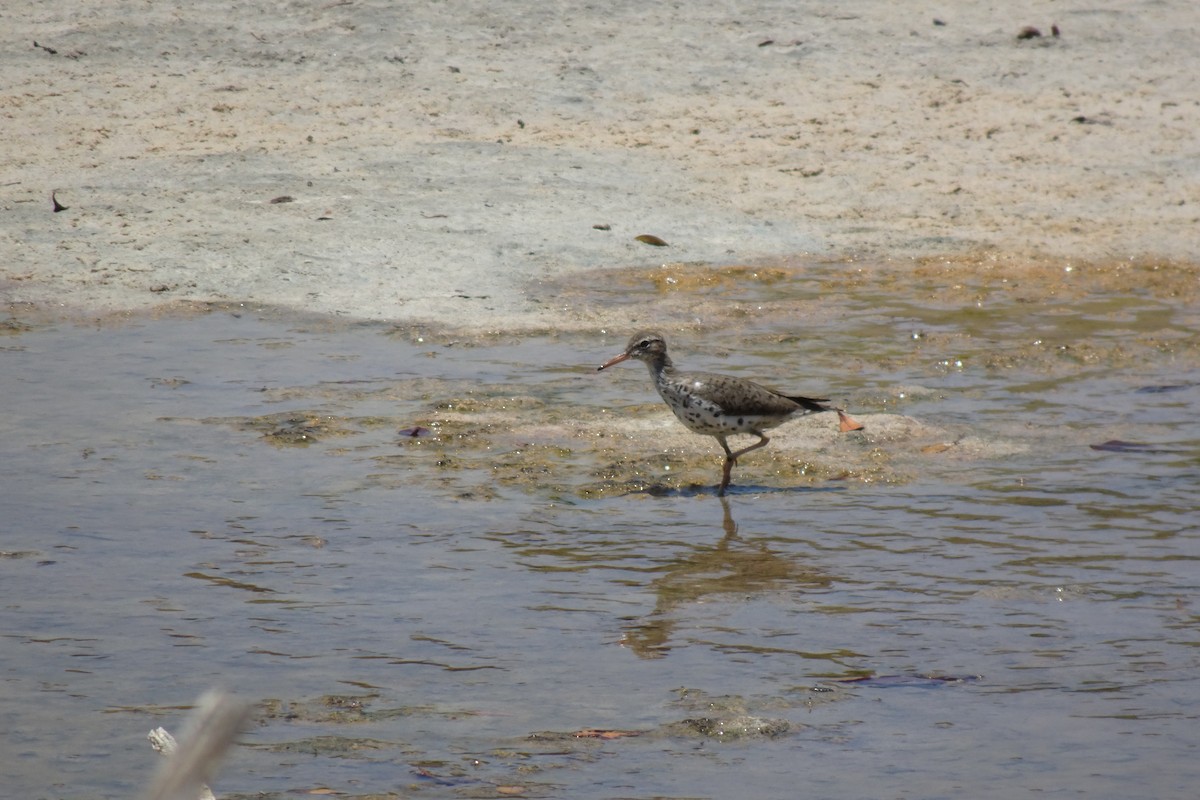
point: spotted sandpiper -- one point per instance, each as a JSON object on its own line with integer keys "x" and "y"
{"x": 720, "y": 405}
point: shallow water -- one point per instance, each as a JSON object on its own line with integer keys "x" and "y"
{"x": 226, "y": 499}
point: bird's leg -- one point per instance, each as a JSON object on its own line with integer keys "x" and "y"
{"x": 762, "y": 440}
{"x": 729, "y": 459}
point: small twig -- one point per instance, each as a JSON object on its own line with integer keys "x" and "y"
{"x": 210, "y": 729}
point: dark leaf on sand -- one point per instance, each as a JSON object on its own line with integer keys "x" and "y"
{"x": 647, "y": 238}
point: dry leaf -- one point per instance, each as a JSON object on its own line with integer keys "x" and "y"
{"x": 847, "y": 423}
{"x": 647, "y": 238}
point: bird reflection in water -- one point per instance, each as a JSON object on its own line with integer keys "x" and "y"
{"x": 733, "y": 567}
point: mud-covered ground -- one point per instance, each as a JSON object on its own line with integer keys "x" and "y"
{"x": 450, "y": 162}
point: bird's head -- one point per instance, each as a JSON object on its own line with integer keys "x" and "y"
{"x": 646, "y": 346}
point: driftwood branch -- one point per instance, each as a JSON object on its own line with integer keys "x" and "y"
{"x": 191, "y": 762}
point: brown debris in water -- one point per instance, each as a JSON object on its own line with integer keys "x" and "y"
{"x": 599, "y": 733}
{"x": 1121, "y": 446}
{"x": 290, "y": 429}
{"x": 414, "y": 432}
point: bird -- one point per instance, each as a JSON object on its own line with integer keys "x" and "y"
{"x": 720, "y": 405}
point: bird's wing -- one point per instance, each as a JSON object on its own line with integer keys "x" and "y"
{"x": 747, "y": 397}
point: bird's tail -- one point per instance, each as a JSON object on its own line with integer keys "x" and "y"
{"x": 811, "y": 403}
{"x": 846, "y": 423}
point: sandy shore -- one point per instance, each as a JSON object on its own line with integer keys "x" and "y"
{"x": 454, "y": 161}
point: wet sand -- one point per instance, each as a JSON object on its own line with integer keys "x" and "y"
{"x": 455, "y": 163}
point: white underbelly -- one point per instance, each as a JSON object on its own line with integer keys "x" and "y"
{"x": 703, "y": 416}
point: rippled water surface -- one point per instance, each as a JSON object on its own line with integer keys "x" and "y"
{"x": 236, "y": 499}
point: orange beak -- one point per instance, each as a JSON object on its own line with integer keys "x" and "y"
{"x": 613, "y": 360}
